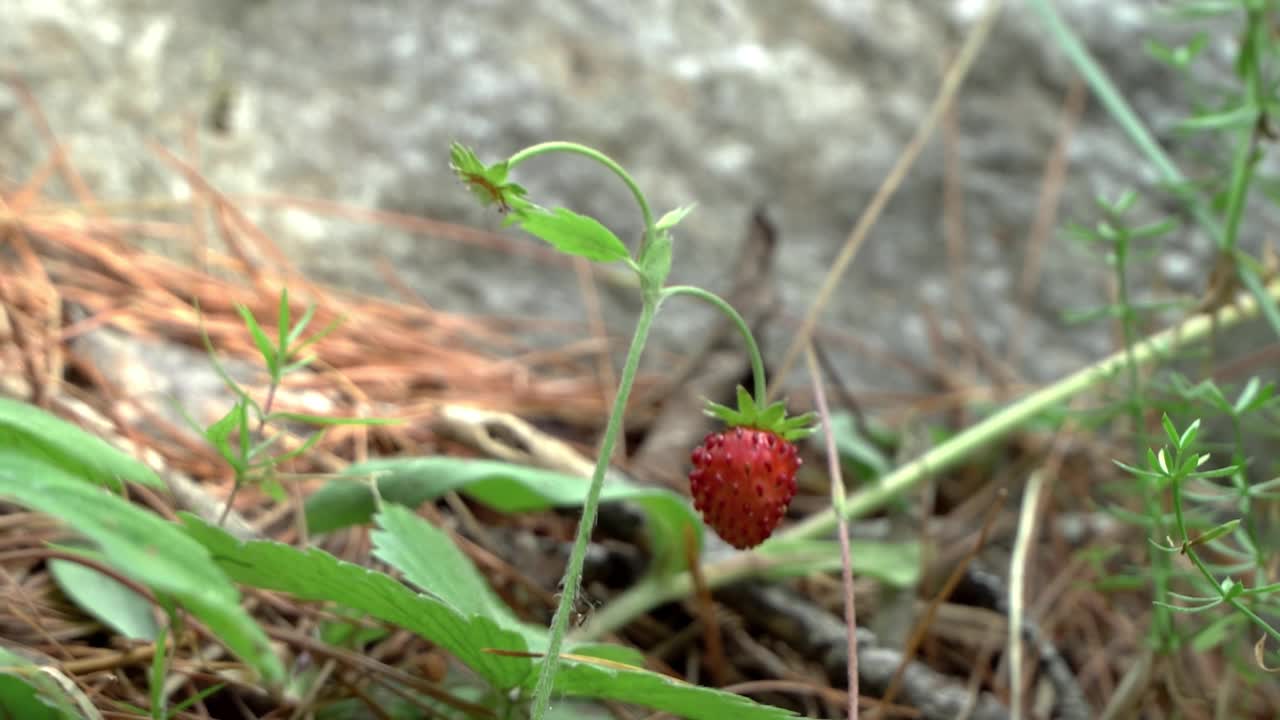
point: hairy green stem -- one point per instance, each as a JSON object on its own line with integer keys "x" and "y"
{"x": 573, "y": 573}
{"x": 652, "y": 592}
{"x": 571, "y": 147}
{"x": 757, "y": 361}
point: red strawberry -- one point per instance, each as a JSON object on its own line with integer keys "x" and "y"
{"x": 742, "y": 481}
{"x": 744, "y": 477}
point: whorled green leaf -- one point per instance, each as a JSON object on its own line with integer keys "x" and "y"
{"x": 38, "y": 434}
{"x": 29, "y": 693}
{"x": 506, "y": 487}
{"x": 143, "y": 546}
{"x": 571, "y": 233}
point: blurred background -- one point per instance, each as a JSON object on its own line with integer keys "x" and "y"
{"x": 796, "y": 108}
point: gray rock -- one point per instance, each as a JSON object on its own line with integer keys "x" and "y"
{"x": 802, "y": 105}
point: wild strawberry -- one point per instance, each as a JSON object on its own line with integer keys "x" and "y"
{"x": 742, "y": 481}
{"x": 744, "y": 477}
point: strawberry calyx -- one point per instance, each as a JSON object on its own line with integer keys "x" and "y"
{"x": 771, "y": 418}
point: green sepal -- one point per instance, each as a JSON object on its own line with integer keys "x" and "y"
{"x": 487, "y": 182}
{"x": 772, "y": 417}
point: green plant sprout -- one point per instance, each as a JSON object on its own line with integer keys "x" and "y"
{"x": 1172, "y": 468}
{"x": 246, "y": 422}
{"x": 583, "y": 236}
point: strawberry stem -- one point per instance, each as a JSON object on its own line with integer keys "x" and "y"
{"x": 757, "y": 361}
{"x": 577, "y": 556}
{"x": 571, "y": 147}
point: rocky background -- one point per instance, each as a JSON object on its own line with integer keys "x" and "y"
{"x": 801, "y": 106}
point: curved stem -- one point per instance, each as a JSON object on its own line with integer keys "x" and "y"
{"x": 572, "y": 147}
{"x": 757, "y": 361}
{"x": 573, "y": 573}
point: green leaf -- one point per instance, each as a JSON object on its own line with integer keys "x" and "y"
{"x": 114, "y": 605}
{"x": 855, "y": 447}
{"x": 282, "y": 326}
{"x": 1209, "y": 536}
{"x": 659, "y": 692}
{"x": 329, "y": 420}
{"x": 1253, "y": 396}
{"x": 612, "y": 653}
{"x": 1232, "y": 118}
{"x": 29, "y": 693}
{"x": 895, "y": 563}
{"x": 655, "y": 261}
{"x": 219, "y": 435}
{"x": 673, "y": 218}
{"x": 316, "y": 575}
{"x": 265, "y": 347}
{"x": 430, "y": 560}
{"x": 145, "y": 547}
{"x": 1217, "y": 632}
{"x": 38, "y": 434}
{"x": 574, "y": 234}
{"x": 505, "y": 487}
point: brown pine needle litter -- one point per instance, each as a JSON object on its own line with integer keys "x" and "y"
{"x": 72, "y": 272}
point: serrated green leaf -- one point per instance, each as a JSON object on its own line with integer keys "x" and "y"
{"x": 613, "y": 653}
{"x": 503, "y": 486}
{"x": 572, "y": 233}
{"x": 37, "y": 434}
{"x": 114, "y": 605}
{"x": 143, "y": 546}
{"x": 316, "y": 575}
{"x": 29, "y": 693}
{"x": 673, "y": 217}
{"x": 659, "y": 692}
{"x": 430, "y": 560}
